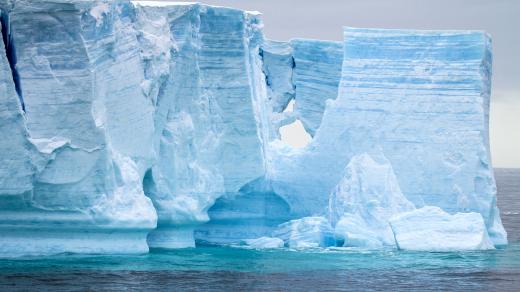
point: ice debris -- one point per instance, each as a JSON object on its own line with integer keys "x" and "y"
{"x": 264, "y": 242}
{"x": 432, "y": 229}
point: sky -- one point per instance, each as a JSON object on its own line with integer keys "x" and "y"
{"x": 324, "y": 19}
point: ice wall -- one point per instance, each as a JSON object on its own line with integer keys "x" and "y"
{"x": 208, "y": 137}
{"x": 86, "y": 127}
{"x": 424, "y": 95}
{"x": 420, "y": 97}
{"x": 304, "y": 71}
{"x": 134, "y": 124}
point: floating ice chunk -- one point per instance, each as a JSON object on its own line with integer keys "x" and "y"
{"x": 306, "y": 232}
{"x": 363, "y": 201}
{"x": 264, "y": 242}
{"x": 432, "y": 229}
{"x": 352, "y": 230}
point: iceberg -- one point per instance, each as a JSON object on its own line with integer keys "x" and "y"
{"x": 432, "y": 229}
{"x": 135, "y": 124}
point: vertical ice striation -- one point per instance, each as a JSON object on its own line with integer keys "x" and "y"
{"x": 23, "y": 158}
{"x": 79, "y": 72}
{"x": 278, "y": 65}
{"x": 208, "y": 118}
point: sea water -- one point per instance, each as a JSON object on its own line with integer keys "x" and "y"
{"x": 236, "y": 268}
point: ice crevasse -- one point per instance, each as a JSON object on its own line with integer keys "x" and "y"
{"x": 129, "y": 125}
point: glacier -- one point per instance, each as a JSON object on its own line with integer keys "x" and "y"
{"x": 129, "y": 125}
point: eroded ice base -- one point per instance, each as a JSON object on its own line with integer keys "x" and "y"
{"x": 38, "y": 242}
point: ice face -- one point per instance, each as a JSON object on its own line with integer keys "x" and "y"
{"x": 305, "y": 71}
{"x": 424, "y": 103}
{"x": 207, "y": 122}
{"x": 364, "y": 200}
{"x": 317, "y": 71}
{"x": 122, "y": 117}
{"x": 432, "y": 229}
{"x": 90, "y": 127}
{"x": 427, "y": 98}
{"x": 22, "y": 153}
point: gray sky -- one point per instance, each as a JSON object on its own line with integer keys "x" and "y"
{"x": 285, "y": 19}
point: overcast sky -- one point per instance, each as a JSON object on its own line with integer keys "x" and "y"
{"x": 285, "y": 19}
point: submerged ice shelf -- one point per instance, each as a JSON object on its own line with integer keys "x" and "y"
{"x": 129, "y": 125}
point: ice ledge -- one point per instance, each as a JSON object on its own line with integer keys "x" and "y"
{"x": 49, "y": 242}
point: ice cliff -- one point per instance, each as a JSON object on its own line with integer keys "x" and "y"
{"x": 129, "y": 125}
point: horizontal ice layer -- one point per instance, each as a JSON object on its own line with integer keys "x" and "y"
{"x": 201, "y": 63}
{"x": 432, "y": 229}
{"x": 419, "y": 97}
{"x": 424, "y": 94}
{"x": 364, "y": 200}
{"x": 317, "y": 71}
{"x": 306, "y": 232}
{"x": 264, "y": 242}
{"x": 307, "y": 71}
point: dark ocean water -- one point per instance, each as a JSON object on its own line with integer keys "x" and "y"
{"x": 235, "y": 269}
